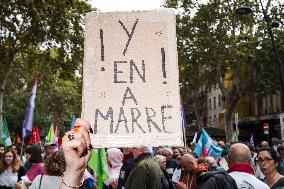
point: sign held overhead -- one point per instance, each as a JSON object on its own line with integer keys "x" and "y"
{"x": 131, "y": 85}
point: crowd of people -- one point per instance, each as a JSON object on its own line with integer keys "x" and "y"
{"x": 240, "y": 166}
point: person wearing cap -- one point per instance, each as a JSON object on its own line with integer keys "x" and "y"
{"x": 49, "y": 149}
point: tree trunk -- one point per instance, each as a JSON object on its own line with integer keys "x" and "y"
{"x": 228, "y": 125}
{"x": 3, "y": 81}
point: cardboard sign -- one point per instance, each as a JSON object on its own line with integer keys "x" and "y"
{"x": 131, "y": 85}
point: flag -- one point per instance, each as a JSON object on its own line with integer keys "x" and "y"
{"x": 35, "y": 138}
{"x": 50, "y": 136}
{"x": 28, "y": 122}
{"x": 98, "y": 163}
{"x": 5, "y": 135}
{"x": 251, "y": 141}
{"x": 183, "y": 116}
{"x": 194, "y": 138}
{"x": 206, "y": 147}
{"x": 56, "y": 136}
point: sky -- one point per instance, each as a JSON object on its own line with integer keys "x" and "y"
{"x": 126, "y": 5}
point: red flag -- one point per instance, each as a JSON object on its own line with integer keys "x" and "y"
{"x": 35, "y": 138}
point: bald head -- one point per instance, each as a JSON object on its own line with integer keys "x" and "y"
{"x": 264, "y": 144}
{"x": 239, "y": 153}
{"x": 188, "y": 163}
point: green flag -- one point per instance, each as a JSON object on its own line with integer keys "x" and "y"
{"x": 50, "y": 136}
{"x": 98, "y": 163}
{"x": 5, "y": 135}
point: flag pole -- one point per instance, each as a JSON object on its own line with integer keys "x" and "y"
{"x": 184, "y": 137}
{"x": 22, "y": 148}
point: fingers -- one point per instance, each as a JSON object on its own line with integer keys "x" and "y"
{"x": 81, "y": 141}
{"x": 86, "y": 137}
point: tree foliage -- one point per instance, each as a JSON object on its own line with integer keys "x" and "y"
{"x": 45, "y": 38}
{"x": 213, "y": 41}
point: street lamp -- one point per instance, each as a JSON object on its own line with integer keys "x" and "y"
{"x": 246, "y": 10}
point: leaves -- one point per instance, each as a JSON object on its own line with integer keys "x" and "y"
{"x": 45, "y": 38}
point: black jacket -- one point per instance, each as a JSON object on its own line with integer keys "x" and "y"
{"x": 216, "y": 180}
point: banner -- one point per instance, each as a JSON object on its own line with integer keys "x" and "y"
{"x": 131, "y": 85}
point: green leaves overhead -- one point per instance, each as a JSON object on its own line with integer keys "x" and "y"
{"x": 44, "y": 37}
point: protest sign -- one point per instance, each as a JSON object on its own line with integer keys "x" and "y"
{"x": 130, "y": 79}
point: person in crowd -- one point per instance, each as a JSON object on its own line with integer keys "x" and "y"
{"x": 176, "y": 154}
{"x": 166, "y": 182}
{"x": 49, "y": 149}
{"x": 212, "y": 164}
{"x": 146, "y": 173}
{"x": 37, "y": 165}
{"x": 264, "y": 144}
{"x": 54, "y": 168}
{"x": 240, "y": 167}
{"x": 16, "y": 149}
{"x": 258, "y": 174}
{"x": 27, "y": 164}
{"x": 217, "y": 179}
{"x": 269, "y": 161}
{"x": 275, "y": 143}
{"x": 172, "y": 164}
{"x": 128, "y": 163}
{"x": 280, "y": 151}
{"x": 114, "y": 159}
{"x": 11, "y": 170}
{"x": 2, "y": 149}
{"x": 190, "y": 172}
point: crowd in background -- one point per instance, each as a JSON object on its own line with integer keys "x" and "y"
{"x": 240, "y": 166}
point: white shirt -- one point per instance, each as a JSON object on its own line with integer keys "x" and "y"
{"x": 47, "y": 182}
{"x": 247, "y": 181}
{"x": 8, "y": 178}
{"x": 176, "y": 175}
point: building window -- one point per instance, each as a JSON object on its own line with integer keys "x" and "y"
{"x": 209, "y": 105}
{"x": 215, "y": 119}
{"x": 214, "y": 102}
{"x": 219, "y": 100}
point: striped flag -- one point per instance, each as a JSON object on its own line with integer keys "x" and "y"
{"x": 205, "y": 147}
{"x": 28, "y": 123}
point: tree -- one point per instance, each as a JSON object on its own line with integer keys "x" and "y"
{"x": 39, "y": 34}
{"x": 214, "y": 42}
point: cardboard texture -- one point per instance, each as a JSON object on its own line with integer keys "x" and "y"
{"x": 131, "y": 85}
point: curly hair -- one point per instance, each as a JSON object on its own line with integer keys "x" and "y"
{"x": 16, "y": 164}
{"x": 55, "y": 165}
